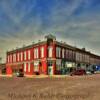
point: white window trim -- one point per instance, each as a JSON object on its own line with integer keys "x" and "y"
{"x": 50, "y": 51}
{"x": 8, "y": 58}
{"x": 21, "y": 56}
{"x": 18, "y": 56}
{"x": 24, "y": 55}
{"x": 58, "y": 52}
{"x": 42, "y": 52}
{"x": 14, "y": 57}
{"x": 36, "y": 52}
{"x": 63, "y": 53}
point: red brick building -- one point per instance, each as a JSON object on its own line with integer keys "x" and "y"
{"x": 48, "y": 57}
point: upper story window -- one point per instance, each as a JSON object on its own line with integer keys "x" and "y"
{"x": 77, "y": 56}
{"x": 21, "y": 56}
{"x": 80, "y": 57}
{"x": 24, "y": 55}
{"x": 8, "y": 58}
{"x": 67, "y": 53}
{"x": 70, "y": 54}
{"x": 29, "y": 54}
{"x": 50, "y": 51}
{"x": 18, "y": 56}
{"x": 73, "y": 54}
{"x": 63, "y": 53}
{"x": 42, "y": 52}
{"x": 58, "y": 52}
{"x": 14, "y": 57}
{"x": 36, "y": 53}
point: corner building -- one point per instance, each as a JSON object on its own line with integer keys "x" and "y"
{"x": 48, "y": 57}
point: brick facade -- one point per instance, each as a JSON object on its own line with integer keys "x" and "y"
{"x": 44, "y": 57}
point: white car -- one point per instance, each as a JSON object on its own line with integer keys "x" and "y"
{"x": 88, "y": 72}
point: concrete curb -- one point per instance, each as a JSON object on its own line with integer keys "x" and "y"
{"x": 5, "y": 75}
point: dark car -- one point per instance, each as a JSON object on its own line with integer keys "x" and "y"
{"x": 20, "y": 73}
{"x": 78, "y": 72}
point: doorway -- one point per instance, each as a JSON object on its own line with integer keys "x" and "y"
{"x": 50, "y": 68}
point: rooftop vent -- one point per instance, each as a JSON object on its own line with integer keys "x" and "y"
{"x": 50, "y": 36}
{"x": 84, "y": 49}
{"x": 39, "y": 40}
{"x": 33, "y": 42}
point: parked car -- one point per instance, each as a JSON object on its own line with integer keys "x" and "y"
{"x": 88, "y": 72}
{"x": 20, "y": 73}
{"x": 78, "y": 72}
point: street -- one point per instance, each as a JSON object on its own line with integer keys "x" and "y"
{"x": 64, "y": 88}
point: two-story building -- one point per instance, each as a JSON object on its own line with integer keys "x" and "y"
{"x": 48, "y": 57}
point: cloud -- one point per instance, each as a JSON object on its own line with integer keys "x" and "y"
{"x": 75, "y": 21}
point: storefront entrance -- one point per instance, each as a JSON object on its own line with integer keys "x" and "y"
{"x": 50, "y": 68}
{"x": 18, "y": 68}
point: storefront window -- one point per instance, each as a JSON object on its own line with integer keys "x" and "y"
{"x": 36, "y": 66}
{"x": 58, "y": 64}
{"x": 25, "y": 67}
{"x": 28, "y": 67}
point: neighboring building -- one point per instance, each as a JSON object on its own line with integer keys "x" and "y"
{"x": 82, "y": 58}
{"x": 3, "y": 68}
{"x": 48, "y": 57}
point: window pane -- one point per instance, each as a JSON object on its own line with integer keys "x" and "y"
{"x": 50, "y": 51}
{"x": 28, "y": 67}
{"x": 42, "y": 51}
{"x": 25, "y": 67}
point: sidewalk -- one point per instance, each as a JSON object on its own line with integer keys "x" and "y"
{"x": 46, "y": 76}
{"x": 5, "y": 75}
{"x": 38, "y": 76}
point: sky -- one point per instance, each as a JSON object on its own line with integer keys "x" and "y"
{"x": 76, "y": 22}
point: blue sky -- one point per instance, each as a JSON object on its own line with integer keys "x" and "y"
{"x": 75, "y": 21}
